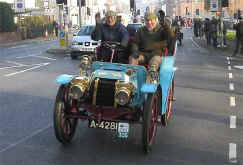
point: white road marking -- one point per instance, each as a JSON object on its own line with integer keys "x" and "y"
{"x": 22, "y": 71}
{"x": 195, "y": 43}
{"x": 229, "y": 67}
{"x": 13, "y": 62}
{"x": 24, "y": 139}
{"x": 238, "y": 66}
{"x": 230, "y": 75}
{"x": 45, "y": 57}
{"x": 19, "y": 57}
{"x": 231, "y": 86}
{"x": 232, "y": 101}
{"x": 16, "y": 66}
{"x": 232, "y": 153}
{"x": 232, "y": 121}
{"x": 37, "y": 55}
{"x": 21, "y": 46}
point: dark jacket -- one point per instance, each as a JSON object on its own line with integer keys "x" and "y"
{"x": 237, "y": 28}
{"x": 153, "y": 43}
{"x": 116, "y": 33}
{"x": 207, "y": 25}
{"x": 214, "y": 25}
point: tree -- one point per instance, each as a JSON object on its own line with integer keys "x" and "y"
{"x": 6, "y": 18}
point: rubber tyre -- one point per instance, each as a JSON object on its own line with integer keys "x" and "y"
{"x": 64, "y": 127}
{"x": 150, "y": 116}
{"x": 165, "y": 118}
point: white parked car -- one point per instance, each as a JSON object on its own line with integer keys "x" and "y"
{"x": 82, "y": 42}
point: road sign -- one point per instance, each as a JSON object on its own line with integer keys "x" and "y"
{"x": 62, "y": 34}
{"x": 214, "y": 5}
{"x": 19, "y": 6}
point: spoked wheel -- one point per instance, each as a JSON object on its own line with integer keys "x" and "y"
{"x": 166, "y": 116}
{"x": 150, "y": 115}
{"x": 64, "y": 127}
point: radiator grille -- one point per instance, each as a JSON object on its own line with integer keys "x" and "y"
{"x": 105, "y": 92}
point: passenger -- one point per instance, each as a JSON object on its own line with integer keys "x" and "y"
{"x": 165, "y": 22}
{"x": 150, "y": 42}
{"x": 110, "y": 30}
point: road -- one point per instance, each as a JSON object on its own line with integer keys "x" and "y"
{"x": 205, "y": 127}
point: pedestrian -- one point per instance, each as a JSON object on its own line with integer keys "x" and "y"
{"x": 213, "y": 31}
{"x": 197, "y": 26}
{"x": 207, "y": 28}
{"x": 189, "y": 22}
{"x": 225, "y": 28}
{"x": 239, "y": 37}
{"x": 55, "y": 26}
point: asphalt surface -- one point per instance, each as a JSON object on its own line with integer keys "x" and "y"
{"x": 201, "y": 131}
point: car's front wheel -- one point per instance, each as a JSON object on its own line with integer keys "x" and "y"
{"x": 150, "y": 115}
{"x": 64, "y": 127}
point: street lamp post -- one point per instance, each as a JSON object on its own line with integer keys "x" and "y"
{"x": 192, "y": 8}
{"x": 80, "y": 13}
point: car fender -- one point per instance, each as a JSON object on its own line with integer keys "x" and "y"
{"x": 149, "y": 88}
{"x": 167, "y": 72}
{"x": 64, "y": 79}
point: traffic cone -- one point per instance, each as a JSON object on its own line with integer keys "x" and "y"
{"x": 46, "y": 35}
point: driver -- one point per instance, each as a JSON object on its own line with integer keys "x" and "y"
{"x": 150, "y": 42}
{"x": 110, "y": 30}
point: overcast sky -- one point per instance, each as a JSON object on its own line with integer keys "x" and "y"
{"x": 30, "y": 3}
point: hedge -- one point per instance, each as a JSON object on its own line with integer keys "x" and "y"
{"x": 6, "y": 18}
{"x": 230, "y": 35}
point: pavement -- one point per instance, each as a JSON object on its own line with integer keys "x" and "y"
{"x": 63, "y": 50}
{"x": 229, "y": 48}
{"x": 21, "y": 42}
{"x": 225, "y": 51}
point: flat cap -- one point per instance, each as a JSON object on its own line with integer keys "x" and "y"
{"x": 150, "y": 16}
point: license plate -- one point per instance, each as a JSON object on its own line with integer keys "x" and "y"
{"x": 108, "y": 125}
{"x": 123, "y": 130}
{"x": 86, "y": 49}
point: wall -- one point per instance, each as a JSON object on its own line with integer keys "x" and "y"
{"x": 9, "y": 37}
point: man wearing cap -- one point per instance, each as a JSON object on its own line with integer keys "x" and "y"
{"x": 150, "y": 42}
{"x": 110, "y": 30}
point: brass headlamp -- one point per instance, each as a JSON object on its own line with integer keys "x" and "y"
{"x": 79, "y": 85}
{"x": 123, "y": 92}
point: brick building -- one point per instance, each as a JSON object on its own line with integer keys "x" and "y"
{"x": 234, "y": 5}
{"x": 195, "y": 8}
{"x": 190, "y": 8}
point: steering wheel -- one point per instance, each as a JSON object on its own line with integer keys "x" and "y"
{"x": 115, "y": 48}
{"x": 112, "y": 44}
